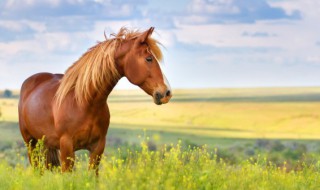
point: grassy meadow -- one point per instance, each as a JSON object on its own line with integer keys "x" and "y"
{"x": 255, "y": 138}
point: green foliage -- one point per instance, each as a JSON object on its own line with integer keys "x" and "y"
{"x": 38, "y": 155}
{"x": 171, "y": 167}
{"x": 7, "y": 93}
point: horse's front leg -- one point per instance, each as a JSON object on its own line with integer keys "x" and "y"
{"x": 66, "y": 153}
{"x": 96, "y": 152}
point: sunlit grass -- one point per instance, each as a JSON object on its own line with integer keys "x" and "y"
{"x": 231, "y": 119}
{"x": 9, "y": 109}
{"x": 243, "y": 120}
{"x": 169, "y": 168}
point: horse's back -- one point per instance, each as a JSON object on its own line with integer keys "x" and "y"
{"x": 35, "y": 80}
{"x": 35, "y": 104}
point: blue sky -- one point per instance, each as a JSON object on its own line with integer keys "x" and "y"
{"x": 208, "y": 43}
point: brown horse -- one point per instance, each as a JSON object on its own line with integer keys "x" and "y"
{"x": 71, "y": 111}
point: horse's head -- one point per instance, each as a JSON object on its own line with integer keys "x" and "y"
{"x": 138, "y": 59}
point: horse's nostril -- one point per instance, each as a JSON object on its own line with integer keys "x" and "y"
{"x": 158, "y": 96}
{"x": 168, "y": 93}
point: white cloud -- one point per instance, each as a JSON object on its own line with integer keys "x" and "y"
{"x": 213, "y": 7}
{"x": 308, "y": 8}
{"x": 34, "y": 9}
{"x": 297, "y": 36}
{"x": 45, "y": 43}
{"x": 12, "y": 48}
{"x": 165, "y": 36}
{"x": 55, "y": 41}
{"x": 13, "y": 4}
{"x": 229, "y": 35}
{"x": 19, "y": 25}
{"x": 314, "y": 59}
{"x": 234, "y": 11}
{"x": 47, "y": 52}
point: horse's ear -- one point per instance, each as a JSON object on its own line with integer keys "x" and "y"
{"x": 144, "y": 36}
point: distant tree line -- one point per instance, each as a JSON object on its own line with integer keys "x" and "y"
{"x": 7, "y": 94}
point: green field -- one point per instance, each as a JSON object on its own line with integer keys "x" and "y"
{"x": 277, "y": 125}
{"x": 276, "y": 113}
{"x": 216, "y": 117}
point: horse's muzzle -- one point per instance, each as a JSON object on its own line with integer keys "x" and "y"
{"x": 162, "y": 98}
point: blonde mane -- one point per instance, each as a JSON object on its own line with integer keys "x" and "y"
{"x": 96, "y": 68}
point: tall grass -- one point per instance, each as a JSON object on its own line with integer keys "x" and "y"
{"x": 172, "y": 167}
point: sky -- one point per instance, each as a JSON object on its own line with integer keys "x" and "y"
{"x": 207, "y": 43}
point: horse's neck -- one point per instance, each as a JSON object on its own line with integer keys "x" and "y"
{"x": 100, "y": 98}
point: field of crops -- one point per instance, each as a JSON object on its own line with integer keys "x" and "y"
{"x": 259, "y": 138}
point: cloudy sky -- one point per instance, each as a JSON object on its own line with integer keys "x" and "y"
{"x": 208, "y": 43}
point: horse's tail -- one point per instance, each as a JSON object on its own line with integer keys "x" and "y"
{"x": 52, "y": 158}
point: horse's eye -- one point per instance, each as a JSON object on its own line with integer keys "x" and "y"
{"x": 149, "y": 59}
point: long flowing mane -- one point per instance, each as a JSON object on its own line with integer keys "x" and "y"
{"x": 96, "y": 68}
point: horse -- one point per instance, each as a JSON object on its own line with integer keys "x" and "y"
{"x": 70, "y": 110}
